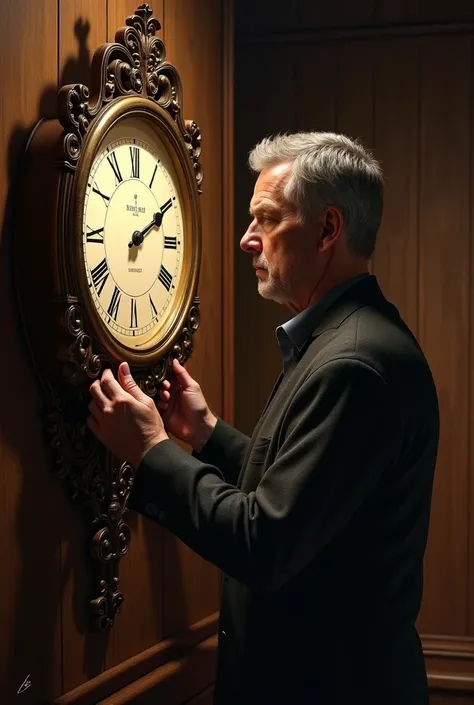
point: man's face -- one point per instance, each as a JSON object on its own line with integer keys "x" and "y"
{"x": 284, "y": 250}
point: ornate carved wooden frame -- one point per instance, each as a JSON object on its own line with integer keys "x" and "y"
{"x": 63, "y": 348}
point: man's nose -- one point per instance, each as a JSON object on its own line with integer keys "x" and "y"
{"x": 251, "y": 242}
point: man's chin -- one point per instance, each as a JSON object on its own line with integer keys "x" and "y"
{"x": 270, "y": 293}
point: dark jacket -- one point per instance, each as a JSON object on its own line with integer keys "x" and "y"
{"x": 319, "y": 522}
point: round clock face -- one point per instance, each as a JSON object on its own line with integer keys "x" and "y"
{"x": 133, "y": 235}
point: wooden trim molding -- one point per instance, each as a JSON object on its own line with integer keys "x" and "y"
{"x": 175, "y": 682}
{"x": 373, "y": 32}
{"x": 154, "y": 669}
{"x": 228, "y": 243}
{"x": 449, "y": 662}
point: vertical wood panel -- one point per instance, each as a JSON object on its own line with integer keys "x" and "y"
{"x": 316, "y": 101}
{"x": 396, "y": 140}
{"x": 355, "y": 96}
{"x": 193, "y": 34}
{"x": 268, "y": 94}
{"x": 444, "y": 317}
{"x": 30, "y": 535}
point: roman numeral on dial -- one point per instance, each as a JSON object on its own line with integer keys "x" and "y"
{"x": 112, "y": 159}
{"x": 170, "y": 243}
{"x": 114, "y": 303}
{"x": 133, "y": 314}
{"x": 135, "y": 157}
{"x": 165, "y": 278}
{"x": 96, "y": 235}
{"x": 100, "y": 275}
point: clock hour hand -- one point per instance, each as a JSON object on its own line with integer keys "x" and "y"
{"x": 139, "y": 235}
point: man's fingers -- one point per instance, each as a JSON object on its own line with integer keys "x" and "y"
{"x": 98, "y": 395}
{"x": 110, "y": 385}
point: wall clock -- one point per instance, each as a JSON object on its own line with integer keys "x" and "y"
{"x": 107, "y": 259}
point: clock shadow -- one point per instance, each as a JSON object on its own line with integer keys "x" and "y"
{"x": 34, "y": 645}
{"x": 77, "y": 69}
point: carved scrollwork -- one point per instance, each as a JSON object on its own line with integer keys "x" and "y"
{"x": 111, "y": 540}
{"x": 97, "y": 481}
{"x": 81, "y": 360}
{"x": 135, "y": 64}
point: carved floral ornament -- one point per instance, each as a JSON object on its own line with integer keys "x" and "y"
{"x": 134, "y": 65}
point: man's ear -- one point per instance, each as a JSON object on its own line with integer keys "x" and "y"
{"x": 332, "y": 221}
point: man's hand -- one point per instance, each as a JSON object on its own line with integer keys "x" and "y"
{"x": 184, "y": 409}
{"x": 124, "y": 418}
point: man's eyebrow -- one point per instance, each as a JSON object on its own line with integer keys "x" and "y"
{"x": 262, "y": 207}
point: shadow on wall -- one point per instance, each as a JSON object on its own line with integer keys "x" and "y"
{"x": 52, "y": 539}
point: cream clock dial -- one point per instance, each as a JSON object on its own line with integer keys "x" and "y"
{"x": 133, "y": 235}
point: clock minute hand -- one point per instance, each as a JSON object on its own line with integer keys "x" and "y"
{"x": 139, "y": 235}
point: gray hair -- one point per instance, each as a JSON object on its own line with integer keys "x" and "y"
{"x": 329, "y": 170}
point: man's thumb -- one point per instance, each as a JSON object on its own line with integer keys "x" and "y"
{"x": 127, "y": 382}
{"x": 182, "y": 375}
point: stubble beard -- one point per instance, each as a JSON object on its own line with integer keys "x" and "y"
{"x": 272, "y": 289}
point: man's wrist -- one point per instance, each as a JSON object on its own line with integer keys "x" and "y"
{"x": 149, "y": 445}
{"x": 205, "y": 432}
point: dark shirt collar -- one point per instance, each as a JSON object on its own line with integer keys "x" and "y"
{"x": 293, "y": 334}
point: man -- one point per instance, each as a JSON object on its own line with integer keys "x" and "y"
{"x": 319, "y": 521}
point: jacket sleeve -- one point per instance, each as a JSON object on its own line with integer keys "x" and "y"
{"x": 336, "y": 440}
{"x": 226, "y": 449}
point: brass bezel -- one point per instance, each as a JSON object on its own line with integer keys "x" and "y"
{"x": 138, "y": 107}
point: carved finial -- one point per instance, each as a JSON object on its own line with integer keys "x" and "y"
{"x": 150, "y": 25}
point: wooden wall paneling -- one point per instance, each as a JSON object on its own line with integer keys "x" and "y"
{"x": 424, "y": 11}
{"x": 194, "y": 43}
{"x": 444, "y": 318}
{"x": 265, "y": 16}
{"x": 316, "y": 80}
{"x": 119, "y": 10}
{"x": 355, "y": 93}
{"x": 339, "y": 13}
{"x": 396, "y": 87}
{"x": 30, "y": 648}
{"x": 266, "y": 103}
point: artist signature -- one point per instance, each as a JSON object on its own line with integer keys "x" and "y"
{"x": 25, "y": 685}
